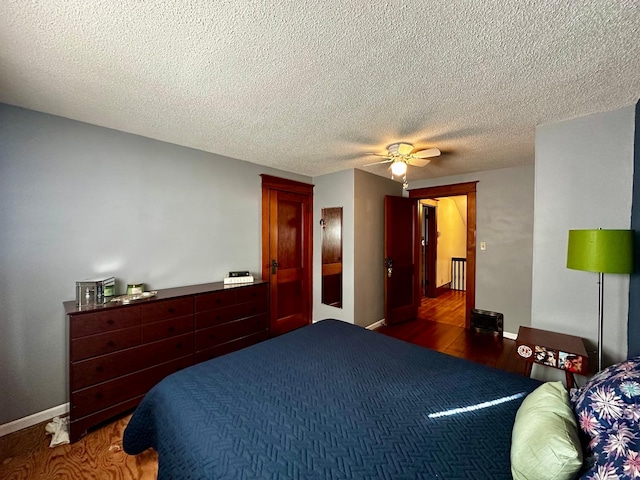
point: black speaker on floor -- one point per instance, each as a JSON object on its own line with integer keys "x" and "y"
{"x": 487, "y": 322}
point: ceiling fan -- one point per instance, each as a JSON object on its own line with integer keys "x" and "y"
{"x": 400, "y": 155}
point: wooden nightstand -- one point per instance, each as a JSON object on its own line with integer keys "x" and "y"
{"x": 551, "y": 349}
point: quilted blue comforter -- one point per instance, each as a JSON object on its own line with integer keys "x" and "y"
{"x": 331, "y": 401}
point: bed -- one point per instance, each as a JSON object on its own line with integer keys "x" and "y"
{"x": 331, "y": 400}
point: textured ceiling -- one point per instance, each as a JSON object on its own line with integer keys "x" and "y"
{"x": 310, "y": 87}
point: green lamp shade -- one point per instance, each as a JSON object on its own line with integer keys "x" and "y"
{"x": 603, "y": 251}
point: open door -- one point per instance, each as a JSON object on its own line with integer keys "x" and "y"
{"x": 401, "y": 257}
{"x": 429, "y": 250}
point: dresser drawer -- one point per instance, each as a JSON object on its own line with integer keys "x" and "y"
{"x": 226, "y": 332}
{"x": 156, "y": 311}
{"x": 166, "y": 328}
{"x": 86, "y": 347}
{"x": 218, "y": 316}
{"x": 103, "y": 368}
{"x": 103, "y": 395}
{"x": 253, "y": 293}
{"x": 211, "y": 301}
{"x": 228, "y": 314}
{"x": 112, "y": 319}
{"x": 218, "y": 350}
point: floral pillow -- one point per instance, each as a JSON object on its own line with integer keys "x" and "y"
{"x": 608, "y": 412}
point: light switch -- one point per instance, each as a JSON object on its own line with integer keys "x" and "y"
{"x": 483, "y": 245}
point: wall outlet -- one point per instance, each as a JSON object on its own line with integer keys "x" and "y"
{"x": 483, "y": 245}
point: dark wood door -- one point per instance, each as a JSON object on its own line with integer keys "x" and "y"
{"x": 287, "y": 252}
{"x": 430, "y": 250}
{"x": 401, "y": 288}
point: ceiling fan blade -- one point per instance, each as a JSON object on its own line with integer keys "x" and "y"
{"x": 377, "y": 154}
{"x": 428, "y": 153}
{"x": 418, "y": 162}
{"x": 378, "y": 163}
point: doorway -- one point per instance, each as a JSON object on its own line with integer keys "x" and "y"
{"x": 469, "y": 191}
{"x": 443, "y": 259}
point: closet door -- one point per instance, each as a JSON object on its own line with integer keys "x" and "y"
{"x": 287, "y": 251}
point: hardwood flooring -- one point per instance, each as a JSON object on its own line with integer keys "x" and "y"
{"x": 99, "y": 455}
{"x": 447, "y": 308}
{"x": 482, "y": 348}
{"x": 440, "y": 326}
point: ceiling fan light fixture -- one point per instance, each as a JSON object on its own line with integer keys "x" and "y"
{"x": 398, "y": 168}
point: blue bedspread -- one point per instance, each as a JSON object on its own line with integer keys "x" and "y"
{"x": 331, "y": 401}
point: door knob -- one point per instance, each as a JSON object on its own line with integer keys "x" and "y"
{"x": 274, "y": 267}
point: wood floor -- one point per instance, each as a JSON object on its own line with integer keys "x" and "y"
{"x": 440, "y": 326}
{"x": 99, "y": 455}
{"x": 447, "y": 308}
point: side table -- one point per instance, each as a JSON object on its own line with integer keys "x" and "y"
{"x": 551, "y": 349}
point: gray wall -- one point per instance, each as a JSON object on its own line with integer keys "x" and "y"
{"x": 361, "y": 196}
{"x": 77, "y": 201}
{"x": 505, "y": 222}
{"x": 370, "y": 191}
{"x": 584, "y": 175}
{"x": 334, "y": 190}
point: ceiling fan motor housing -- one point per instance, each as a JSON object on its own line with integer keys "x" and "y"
{"x": 400, "y": 148}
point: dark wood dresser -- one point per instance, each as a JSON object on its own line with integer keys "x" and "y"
{"x": 118, "y": 352}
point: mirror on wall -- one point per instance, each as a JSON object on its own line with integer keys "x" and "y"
{"x": 331, "y": 223}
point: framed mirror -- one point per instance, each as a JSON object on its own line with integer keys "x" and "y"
{"x": 331, "y": 223}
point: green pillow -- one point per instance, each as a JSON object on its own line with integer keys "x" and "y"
{"x": 544, "y": 440}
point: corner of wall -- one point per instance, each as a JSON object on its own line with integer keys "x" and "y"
{"x": 633, "y": 329}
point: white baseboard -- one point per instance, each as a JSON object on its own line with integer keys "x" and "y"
{"x": 375, "y": 325}
{"x": 34, "y": 419}
{"x": 509, "y": 335}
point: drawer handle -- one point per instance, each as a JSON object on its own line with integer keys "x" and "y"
{"x": 99, "y": 368}
{"x": 179, "y": 346}
{"x": 111, "y": 321}
{"x": 171, "y": 310}
{"x": 212, "y": 336}
{"x": 218, "y": 300}
{"x": 111, "y": 343}
{"x": 99, "y": 396}
{"x": 171, "y": 329}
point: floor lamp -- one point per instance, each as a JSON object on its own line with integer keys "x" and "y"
{"x": 600, "y": 251}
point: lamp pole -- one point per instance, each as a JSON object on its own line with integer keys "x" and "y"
{"x": 600, "y": 317}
